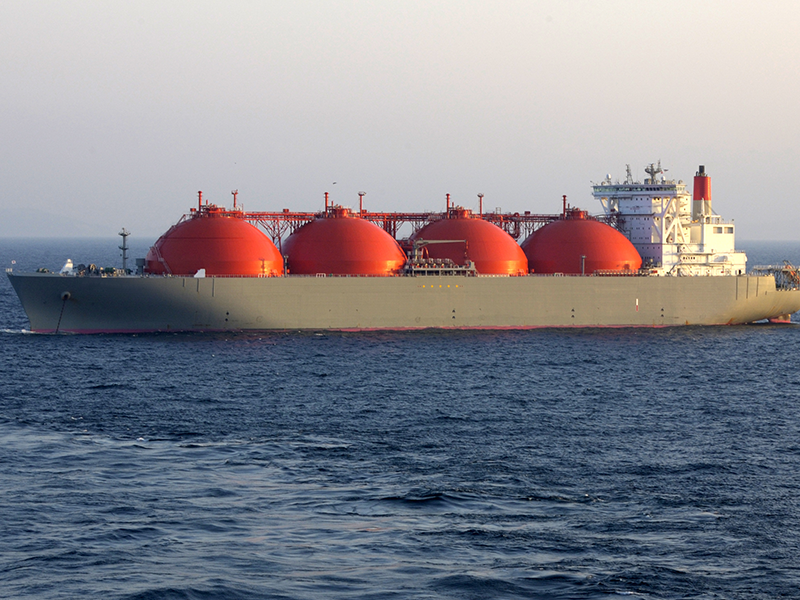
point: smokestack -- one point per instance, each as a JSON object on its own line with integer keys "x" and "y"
{"x": 701, "y": 194}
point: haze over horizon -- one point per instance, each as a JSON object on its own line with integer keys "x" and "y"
{"x": 116, "y": 114}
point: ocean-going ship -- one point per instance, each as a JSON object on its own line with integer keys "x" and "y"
{"x": 657, "y": 256}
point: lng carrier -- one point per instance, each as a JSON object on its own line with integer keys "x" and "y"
{"x": 657, "y": 256}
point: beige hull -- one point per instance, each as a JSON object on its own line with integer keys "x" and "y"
{"x": 139, "y": 304}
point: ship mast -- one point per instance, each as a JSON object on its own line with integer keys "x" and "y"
{"x": 653, "y": 170}
{"x": 124, "y": 233}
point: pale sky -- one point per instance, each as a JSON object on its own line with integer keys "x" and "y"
{"x": 116, "y": 113}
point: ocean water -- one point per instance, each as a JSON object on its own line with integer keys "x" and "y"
{"x": 564, "y": 463}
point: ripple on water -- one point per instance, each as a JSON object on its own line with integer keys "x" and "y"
{"x": 541, "y": 464}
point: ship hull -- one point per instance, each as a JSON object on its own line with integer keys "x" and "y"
{"x": 56, "y": 303}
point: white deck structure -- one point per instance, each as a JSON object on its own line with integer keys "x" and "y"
{"x": 674, "y": 234}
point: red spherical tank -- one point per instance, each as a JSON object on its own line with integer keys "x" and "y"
{"x": 577, "y": 245}
{"x": 342, "y": 244}
{"x": 493, "y": 251}
{"x": 219, "y": 243}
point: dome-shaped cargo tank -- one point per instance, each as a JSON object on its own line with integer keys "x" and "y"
{"x": 342, "y": 244}
{"x": 493, "y": 251}
{"x": 575, "y": 245}
{"x": 213, "y": 240}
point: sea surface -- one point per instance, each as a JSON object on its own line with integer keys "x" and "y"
{"x": 557, "y": 464}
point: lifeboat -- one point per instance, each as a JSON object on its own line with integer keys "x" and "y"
{"x": 493, "y": 251}
{"x": 218, "y": 241}
{"x": 340, "y": 243}
{"x": 576, "y": 244}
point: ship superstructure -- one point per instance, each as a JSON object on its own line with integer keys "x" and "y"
{"x": 675, "y": 232}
